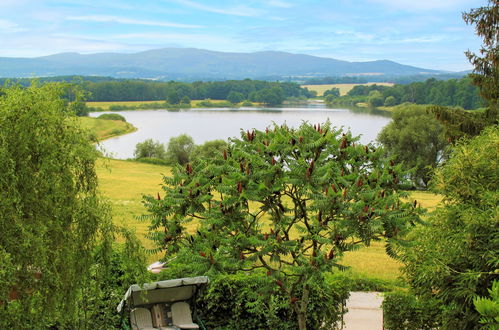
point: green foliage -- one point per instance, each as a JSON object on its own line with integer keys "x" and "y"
{"x": 185, "y": 100}
{"x": 269, "y": 96}
{"x": 172, "y": 97}
{"x": 140, "y": 90}
{"x": 375, "y": 99}
{"x": 390, "y": 101}
{"x": 215, "y": 104}
{"x": 486, "y": 72}
{"x": 239, "y": 302}
{"x": 454, "y": 256}
{"x": 179, "y": 149}
{"x": 235, "y": 97}
{"x": 452, "y": 92}
{"x": 290, "y": 202}
{"x": 403, "y": 311}
{"x": 209, "y": 149}
{"x": 416, "y": 139}
{"x": 334, "y": 92}
{"x": 459, "y": 123}
{"x": 489, "y": 307}
{"x": 355, "y": 282}
{"x": 247, "y": 103}
{"x": 50, "y": 212}
{"x": 112, "y": 116}
{"x": 150, "y": 149}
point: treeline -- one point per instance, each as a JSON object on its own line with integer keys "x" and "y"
{"x": 453, "y": 92}
{"x": 138, "y": 90}
{"x": 235, "y": 91}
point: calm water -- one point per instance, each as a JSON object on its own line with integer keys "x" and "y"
{"x": 209, "y": 124}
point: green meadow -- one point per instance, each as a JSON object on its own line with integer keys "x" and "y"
{"x": 102, "y": 129}
{"x": 124, "y": 183}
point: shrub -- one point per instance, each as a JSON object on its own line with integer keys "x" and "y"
{"x": 238, "y": 301}
{"x": 149, "y": 149}
{"x": 390, "y": 101}
{"x": 401, "y": 310}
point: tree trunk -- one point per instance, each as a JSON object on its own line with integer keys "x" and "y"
{"x": 301, "y": 310}
{"x": 302, "y": 321}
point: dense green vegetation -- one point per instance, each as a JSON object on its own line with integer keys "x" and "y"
{"x": 416, "y": 139}
{"x": 174, "y": 92}
{"x": 452, "y": 262}
{"x": 453, "y": 92}
{"x": 454, "y": 258}
{"x": 58, "y": 266}
{"x": 275, "y": 201}
{"x": 179, "y": 150}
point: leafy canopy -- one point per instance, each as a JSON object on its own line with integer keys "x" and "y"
{"x": 454, "y": 257}
{"x": 416, "y": 139}
{"x": 50, "y": 213}
{"x": 288, "y": 201}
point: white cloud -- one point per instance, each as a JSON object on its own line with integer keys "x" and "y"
{"x": 9, "y": 27}
{"x": 124, "y": 20}
{"x": 234, "y": 11}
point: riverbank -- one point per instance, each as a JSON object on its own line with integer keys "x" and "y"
{"x": 150, "y": 105}
{"x": 103, "y": 129}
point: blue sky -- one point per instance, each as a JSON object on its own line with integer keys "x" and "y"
{"x": 425, "y": 33}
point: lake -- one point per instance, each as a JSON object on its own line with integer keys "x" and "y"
{"x": 221, "y": 123}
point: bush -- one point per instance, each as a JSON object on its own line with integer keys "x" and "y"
{"x": 149, "y": 149}
{"x": 151, "y": 160}
{"x": 247, "y": 103}
{"x": 401, "y": 310}
{"x": 237, "y": 302}
{"x": 235, "y": 97}
{"x": 209, "y": 149}
{"x": 390, "y": 101}
{"x": 213, "y": 104}
{"x": 112, "y": 116}
{"x": 179, "y": 149}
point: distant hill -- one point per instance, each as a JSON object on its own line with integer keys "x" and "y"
{"x": 191, "y": 63}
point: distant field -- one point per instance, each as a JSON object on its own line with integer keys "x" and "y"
{"x": 124, "y": 183}
{"x": 105, "y": 105}
{"x": 344, "y": 88}
{"x": 105, "y": 129}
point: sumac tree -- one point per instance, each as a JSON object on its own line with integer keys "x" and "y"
{"x": 290, "y": 201}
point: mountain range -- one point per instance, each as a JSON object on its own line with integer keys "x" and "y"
{"x": 191, "y": 63}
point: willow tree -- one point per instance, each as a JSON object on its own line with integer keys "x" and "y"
{"x": 50, "y": 213}
{"x": 288, "y": 201}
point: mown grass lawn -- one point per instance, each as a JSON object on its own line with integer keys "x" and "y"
{"x": 104, "y": 106}
{"x": 123, "y": 183}
{"x": 103, "y": 129}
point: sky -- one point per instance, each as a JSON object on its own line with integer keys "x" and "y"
{"x": 425, "y": 33}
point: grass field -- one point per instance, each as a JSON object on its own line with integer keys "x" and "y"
{"x": 123, "y": 183}
{"x": 344, "y": 88}
{"x": 104, "y": 106}
{"x": 104, "y": 129}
